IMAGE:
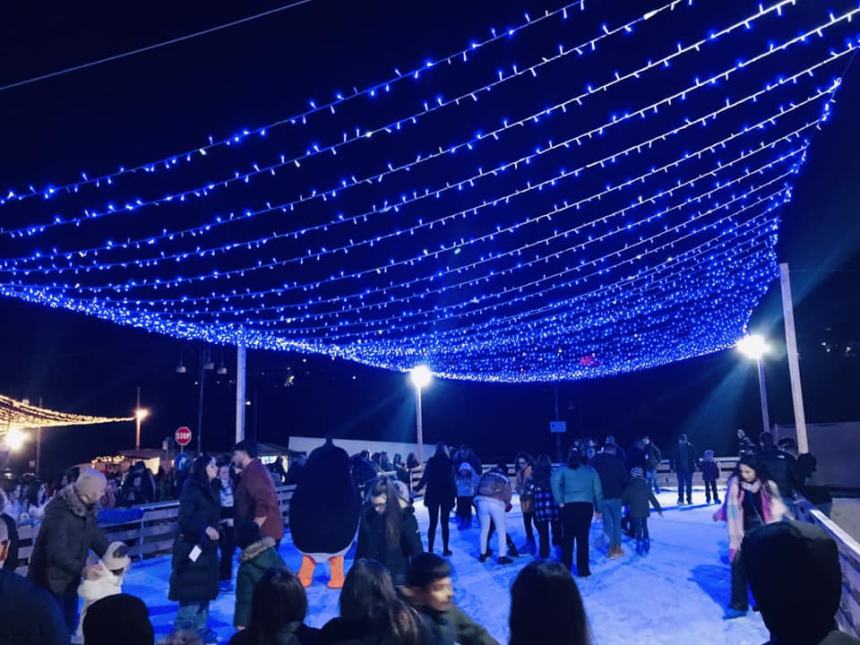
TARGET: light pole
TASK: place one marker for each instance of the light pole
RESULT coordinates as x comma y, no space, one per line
420,377
139,415
755,347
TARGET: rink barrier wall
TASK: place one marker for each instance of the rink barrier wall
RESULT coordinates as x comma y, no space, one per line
848,616
149,529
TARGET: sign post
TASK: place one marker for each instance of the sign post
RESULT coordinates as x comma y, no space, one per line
183,437
558,428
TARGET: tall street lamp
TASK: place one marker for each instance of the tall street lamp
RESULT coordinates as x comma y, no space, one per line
420,377
755,347
139,415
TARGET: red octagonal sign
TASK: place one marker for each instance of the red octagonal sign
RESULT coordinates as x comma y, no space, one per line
183,435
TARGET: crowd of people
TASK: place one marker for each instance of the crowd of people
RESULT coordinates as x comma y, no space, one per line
395,591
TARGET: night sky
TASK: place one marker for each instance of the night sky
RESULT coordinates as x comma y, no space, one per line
152,104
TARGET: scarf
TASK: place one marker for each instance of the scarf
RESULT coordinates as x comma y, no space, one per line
773,510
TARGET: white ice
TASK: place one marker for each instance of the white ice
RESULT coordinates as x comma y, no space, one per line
675,594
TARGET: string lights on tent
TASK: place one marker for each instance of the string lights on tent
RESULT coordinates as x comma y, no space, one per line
540,219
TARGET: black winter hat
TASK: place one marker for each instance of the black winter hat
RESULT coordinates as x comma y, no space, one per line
118,619
794,573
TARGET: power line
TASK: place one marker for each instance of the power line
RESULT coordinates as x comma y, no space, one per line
141,50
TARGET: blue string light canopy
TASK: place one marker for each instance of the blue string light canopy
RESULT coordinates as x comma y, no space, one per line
576,196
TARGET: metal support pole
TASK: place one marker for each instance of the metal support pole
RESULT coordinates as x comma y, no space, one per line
137,422
200,403
241,374
39,445
762,392
419,426
793,362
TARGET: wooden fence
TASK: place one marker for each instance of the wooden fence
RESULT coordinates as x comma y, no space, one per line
148,529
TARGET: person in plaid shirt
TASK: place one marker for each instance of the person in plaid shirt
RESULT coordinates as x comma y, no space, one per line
545,508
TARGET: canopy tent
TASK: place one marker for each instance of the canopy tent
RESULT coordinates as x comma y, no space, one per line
20,414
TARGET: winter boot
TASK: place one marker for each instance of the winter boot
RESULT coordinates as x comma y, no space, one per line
306,571
647,545
640,547
336,580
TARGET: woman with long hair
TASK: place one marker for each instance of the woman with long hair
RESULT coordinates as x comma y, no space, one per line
752,500
545,507
194,577
546,607
278,610
577,491
441,492
387,529
524,464
371,612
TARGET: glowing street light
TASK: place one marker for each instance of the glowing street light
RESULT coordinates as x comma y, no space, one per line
755,347
14,439
421,376
139,415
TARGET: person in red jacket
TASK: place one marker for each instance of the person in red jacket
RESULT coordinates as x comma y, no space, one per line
255,497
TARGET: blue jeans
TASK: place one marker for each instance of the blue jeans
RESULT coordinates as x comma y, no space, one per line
193,616
612,521
651,477
685,479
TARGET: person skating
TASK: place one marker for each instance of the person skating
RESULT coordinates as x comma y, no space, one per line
576,488
639,497
66,535
779,465
654,457
752,500
194,570
613,477
227,528
387,528
467,484
259,555
324,513
493,500
103,579
439,498
524,465
255,496
684,465
710,475
546,508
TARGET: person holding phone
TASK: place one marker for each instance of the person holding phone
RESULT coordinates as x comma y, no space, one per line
194,578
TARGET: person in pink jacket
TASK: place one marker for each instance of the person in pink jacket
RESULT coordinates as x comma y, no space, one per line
752,500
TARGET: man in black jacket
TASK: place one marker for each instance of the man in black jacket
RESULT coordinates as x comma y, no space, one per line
613,477
684,465
779,465
65,537
28,615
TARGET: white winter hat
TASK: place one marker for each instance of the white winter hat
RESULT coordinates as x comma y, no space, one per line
116,556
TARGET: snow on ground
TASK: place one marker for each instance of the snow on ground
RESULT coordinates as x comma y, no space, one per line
675,594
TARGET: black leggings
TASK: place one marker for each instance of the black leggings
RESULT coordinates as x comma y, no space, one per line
437,512
527,521
575,524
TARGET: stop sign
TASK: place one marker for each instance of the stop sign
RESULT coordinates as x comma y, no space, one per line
183,435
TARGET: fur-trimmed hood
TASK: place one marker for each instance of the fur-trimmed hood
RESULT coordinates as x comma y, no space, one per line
70,497
253,550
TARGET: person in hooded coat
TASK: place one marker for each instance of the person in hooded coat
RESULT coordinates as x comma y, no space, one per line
324,513
194,577
259,554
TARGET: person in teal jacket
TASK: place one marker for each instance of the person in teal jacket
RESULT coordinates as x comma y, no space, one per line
576,488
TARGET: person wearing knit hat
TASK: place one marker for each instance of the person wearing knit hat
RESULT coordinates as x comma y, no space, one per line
103,579
68,532
794,573
118,619
638,497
